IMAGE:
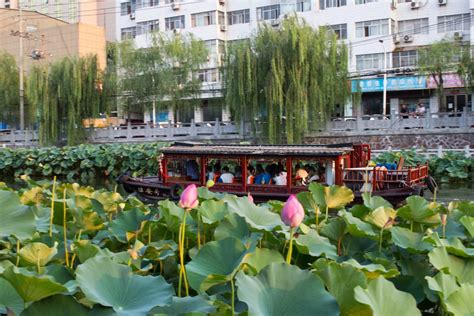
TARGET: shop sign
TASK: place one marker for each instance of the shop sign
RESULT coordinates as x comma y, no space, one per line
393,84
449,81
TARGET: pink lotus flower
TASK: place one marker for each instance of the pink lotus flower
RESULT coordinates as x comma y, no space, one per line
250,197
292,213
189,197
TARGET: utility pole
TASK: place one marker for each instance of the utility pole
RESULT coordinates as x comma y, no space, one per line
22,91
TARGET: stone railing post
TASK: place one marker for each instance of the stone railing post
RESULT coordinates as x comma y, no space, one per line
129,130
217,127
148,135
12,137
428,124
467,151
110,131
465,117
193,130
242,128
440,151
169,129
27,137
358,122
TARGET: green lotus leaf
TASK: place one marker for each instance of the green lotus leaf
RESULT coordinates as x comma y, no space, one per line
173,215
460,302
333,196
357,227
31,287
42,215
9,298
258,217
309,204
372,270
215,263
205,194
60,305
111,284
128,224
453,245
382,217
109,200
442,283
464,206
282,289
406,239
84,249
262,257
334,229
313,244
385,300
340,281
462,269
374,202
37,254
468,223
212,211
186,305
417,209
453,229
160,250
16,219
32,196
232,225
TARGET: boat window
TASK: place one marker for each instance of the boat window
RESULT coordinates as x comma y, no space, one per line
267,171
224,171
308,171
184,169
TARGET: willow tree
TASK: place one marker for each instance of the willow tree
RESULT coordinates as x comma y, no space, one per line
61,96
164,74
9,89
290,78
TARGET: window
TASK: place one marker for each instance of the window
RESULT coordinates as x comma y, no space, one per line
372,28
370,61
175,22
407,58
365,1
238,17
203,19
208,75
129,33
126,8
147,3
220,18
458,22
340,30
270,12
303,6
148,27
211,46
416,26
325,4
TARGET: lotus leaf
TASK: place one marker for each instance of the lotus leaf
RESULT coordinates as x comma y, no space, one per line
262,257
31,287
373,202
385,300
112,284
282,289
212,211
382,217
9,298
372,271
333,197
16,219
84,249
459,303
215,263
419,210
37,254
357,227
186,305
128,222
334,229
160,250
233,225
309,204
442,283
313,244
406,239
462,269
453,245
258,217
468,223
340,281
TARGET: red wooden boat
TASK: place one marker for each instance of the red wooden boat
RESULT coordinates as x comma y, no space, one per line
232,168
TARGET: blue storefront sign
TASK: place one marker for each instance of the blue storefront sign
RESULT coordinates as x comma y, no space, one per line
393,84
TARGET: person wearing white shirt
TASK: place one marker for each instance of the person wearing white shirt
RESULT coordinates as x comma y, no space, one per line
226,176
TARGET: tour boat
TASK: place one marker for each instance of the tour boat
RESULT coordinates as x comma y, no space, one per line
183,164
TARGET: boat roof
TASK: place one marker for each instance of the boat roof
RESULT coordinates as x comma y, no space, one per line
259,150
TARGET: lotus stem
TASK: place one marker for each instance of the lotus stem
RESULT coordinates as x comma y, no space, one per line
327,214
380,240
38,267
435,193
66,253
339,246
411,225
232,296
149,233
51,213
182,269
198,232
290,248
72,260
17,252
317,218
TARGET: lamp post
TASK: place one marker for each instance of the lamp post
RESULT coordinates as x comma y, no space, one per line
384,104
22,91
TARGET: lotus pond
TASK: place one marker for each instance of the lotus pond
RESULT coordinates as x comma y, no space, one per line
65,248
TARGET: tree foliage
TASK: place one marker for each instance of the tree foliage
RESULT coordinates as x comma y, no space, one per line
9,88
290,78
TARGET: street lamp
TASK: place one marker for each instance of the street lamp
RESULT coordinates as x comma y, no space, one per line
384,104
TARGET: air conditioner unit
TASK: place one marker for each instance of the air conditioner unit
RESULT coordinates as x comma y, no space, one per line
175,6
408,38
442,2
458,35
223,28
396,39
222,2
132,16
275,23
177,31
415,5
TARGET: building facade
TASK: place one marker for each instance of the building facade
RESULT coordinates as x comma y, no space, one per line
373,29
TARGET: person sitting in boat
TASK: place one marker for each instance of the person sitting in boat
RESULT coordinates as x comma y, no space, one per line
300,175
226,176
192,170
312,174
210,173
251,174
217,171
263,176
281,176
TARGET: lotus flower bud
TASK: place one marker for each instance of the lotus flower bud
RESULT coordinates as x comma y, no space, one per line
210,183
292,213
189,197
250,197
444,219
